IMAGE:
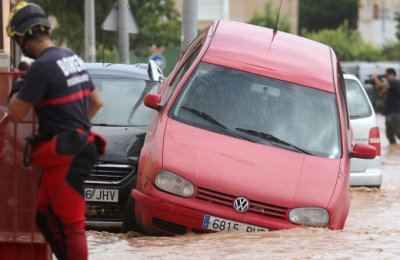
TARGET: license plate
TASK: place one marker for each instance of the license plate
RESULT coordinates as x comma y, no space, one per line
106,195
220,224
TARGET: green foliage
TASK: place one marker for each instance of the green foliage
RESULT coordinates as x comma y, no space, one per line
392,51
158,23
69,15
315,15
397,18
269,19
110,55
347,43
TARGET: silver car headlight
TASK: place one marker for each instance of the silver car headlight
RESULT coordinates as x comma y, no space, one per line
309,216
173,183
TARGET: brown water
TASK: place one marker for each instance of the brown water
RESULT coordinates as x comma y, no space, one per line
372,231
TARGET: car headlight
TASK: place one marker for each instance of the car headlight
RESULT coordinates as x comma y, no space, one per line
309,216
173,183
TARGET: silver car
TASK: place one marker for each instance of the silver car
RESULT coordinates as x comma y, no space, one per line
363,172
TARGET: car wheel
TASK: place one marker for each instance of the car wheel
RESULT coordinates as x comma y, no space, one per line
129,222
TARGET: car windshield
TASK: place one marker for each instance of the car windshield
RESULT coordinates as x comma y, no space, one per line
357,100
123,102
261,109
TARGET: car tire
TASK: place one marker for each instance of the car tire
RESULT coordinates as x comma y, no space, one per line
129,222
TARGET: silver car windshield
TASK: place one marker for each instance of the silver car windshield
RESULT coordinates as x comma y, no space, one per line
254,107
357,100
123,102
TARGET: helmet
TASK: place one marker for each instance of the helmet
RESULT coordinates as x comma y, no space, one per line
24,17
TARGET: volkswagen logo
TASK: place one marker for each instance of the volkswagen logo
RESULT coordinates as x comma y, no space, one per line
241,204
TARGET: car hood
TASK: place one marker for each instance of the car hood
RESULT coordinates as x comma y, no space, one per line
123,143
242,168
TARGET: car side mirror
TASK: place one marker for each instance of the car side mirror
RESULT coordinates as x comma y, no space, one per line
152,100
363,151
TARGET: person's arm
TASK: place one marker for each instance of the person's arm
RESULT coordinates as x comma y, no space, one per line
95,103
380,84
17,108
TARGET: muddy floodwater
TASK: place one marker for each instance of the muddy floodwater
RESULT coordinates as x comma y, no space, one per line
372,231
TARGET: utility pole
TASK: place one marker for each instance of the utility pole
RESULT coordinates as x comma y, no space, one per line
189,23
123,33
90,40
226,10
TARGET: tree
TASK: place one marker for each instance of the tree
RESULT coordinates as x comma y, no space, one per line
269,19
397,18
158,23
347,43
315,15
392,50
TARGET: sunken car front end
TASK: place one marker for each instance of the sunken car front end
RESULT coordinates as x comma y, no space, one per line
122,122
224,188
108,186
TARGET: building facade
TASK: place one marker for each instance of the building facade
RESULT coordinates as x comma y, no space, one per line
241,10
376,21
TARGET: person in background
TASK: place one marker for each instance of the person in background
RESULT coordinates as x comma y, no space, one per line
23,66
392,103
57,85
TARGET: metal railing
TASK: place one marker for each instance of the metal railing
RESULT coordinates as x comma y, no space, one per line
19,236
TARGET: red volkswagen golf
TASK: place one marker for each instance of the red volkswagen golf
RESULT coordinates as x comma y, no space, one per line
250,132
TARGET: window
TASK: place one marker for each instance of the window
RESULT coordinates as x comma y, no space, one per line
357,100
123,102
343,99
240,101
195,44
181,73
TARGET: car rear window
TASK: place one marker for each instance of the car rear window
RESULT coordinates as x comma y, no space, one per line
302,116
123,102
359,105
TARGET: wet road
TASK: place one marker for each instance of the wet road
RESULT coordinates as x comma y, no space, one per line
372,231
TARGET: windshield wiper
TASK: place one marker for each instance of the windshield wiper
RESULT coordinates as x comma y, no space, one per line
215,122
271,138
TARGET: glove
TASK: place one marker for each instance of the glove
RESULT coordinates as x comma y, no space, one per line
18,84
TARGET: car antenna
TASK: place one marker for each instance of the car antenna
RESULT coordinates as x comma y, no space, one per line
276,25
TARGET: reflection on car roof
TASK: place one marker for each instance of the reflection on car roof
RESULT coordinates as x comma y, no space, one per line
111,70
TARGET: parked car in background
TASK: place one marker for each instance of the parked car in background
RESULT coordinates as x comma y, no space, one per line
363,70
363,172
251,132
122,121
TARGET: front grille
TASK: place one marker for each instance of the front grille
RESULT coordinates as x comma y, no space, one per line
110,173
227,200
169,226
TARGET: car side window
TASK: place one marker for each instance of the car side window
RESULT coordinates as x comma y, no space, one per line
196,43
342,89
182,72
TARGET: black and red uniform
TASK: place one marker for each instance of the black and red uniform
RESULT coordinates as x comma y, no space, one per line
58,85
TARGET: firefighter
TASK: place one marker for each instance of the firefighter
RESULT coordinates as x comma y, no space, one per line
58,87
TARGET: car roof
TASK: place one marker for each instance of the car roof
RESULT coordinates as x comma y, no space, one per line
112,70
289,57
